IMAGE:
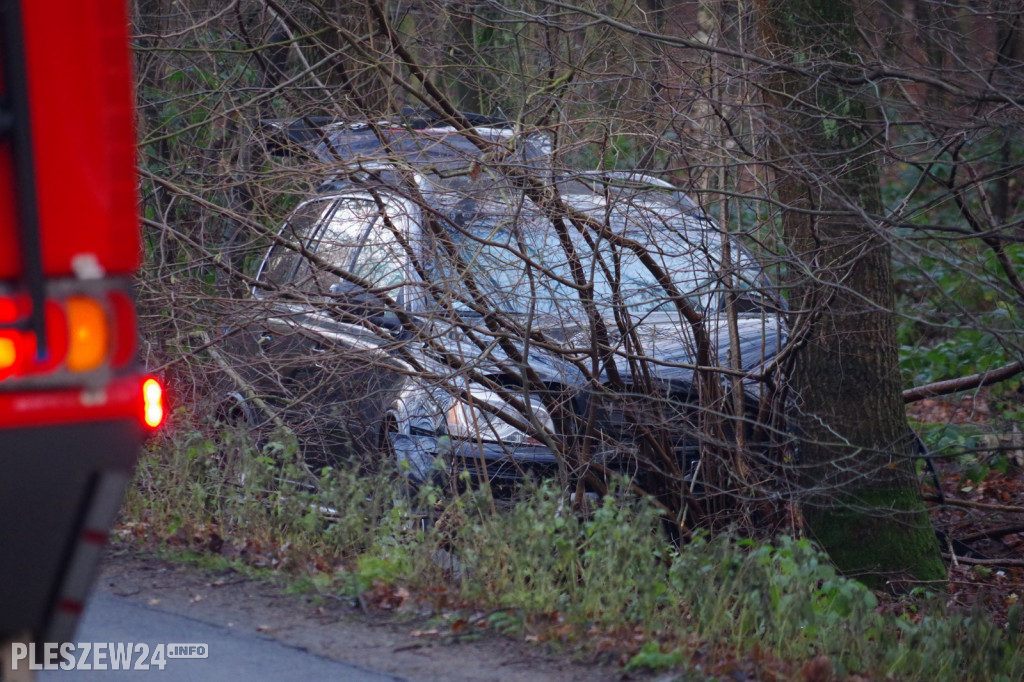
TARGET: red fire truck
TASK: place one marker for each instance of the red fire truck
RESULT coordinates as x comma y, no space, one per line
74,406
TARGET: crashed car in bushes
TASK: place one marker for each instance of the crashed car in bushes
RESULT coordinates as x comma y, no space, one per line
448,297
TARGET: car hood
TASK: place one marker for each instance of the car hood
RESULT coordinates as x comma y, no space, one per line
663,344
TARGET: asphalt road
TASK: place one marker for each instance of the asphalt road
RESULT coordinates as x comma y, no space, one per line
232,655
256,630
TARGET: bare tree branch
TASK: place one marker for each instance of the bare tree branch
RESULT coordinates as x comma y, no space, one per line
968,383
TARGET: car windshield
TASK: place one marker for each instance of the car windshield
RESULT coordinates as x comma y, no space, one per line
519,263
501,253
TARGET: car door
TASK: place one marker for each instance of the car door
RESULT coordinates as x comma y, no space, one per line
319,368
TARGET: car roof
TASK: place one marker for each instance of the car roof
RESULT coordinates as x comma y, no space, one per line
361,142
360,155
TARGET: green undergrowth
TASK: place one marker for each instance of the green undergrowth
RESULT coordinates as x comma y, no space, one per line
604,580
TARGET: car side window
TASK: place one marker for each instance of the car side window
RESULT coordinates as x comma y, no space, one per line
284,259
380,259
332,230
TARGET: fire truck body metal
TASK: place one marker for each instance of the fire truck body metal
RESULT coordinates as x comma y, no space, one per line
72,413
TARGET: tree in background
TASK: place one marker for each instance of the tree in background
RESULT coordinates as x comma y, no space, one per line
856,455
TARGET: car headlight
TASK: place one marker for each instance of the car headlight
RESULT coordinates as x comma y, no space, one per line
468,420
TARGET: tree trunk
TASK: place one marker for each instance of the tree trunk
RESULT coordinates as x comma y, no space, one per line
861,498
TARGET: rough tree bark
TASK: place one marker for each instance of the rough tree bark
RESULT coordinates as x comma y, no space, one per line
862,500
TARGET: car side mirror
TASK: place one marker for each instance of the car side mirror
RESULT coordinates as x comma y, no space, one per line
356,300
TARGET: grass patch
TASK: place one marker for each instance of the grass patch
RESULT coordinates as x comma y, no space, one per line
606,583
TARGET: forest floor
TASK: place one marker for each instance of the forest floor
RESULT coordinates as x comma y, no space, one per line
980,504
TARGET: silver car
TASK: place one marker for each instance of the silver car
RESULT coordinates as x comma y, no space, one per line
461,309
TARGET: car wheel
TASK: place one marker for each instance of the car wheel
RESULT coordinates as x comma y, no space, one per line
237,420
234,411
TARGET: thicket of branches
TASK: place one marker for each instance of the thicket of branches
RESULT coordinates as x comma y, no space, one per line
708,96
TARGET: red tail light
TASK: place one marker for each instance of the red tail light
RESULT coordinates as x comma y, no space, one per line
152,403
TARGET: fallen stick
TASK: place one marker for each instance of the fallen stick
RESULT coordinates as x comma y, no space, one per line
989,506
1009,563
991,533
244,386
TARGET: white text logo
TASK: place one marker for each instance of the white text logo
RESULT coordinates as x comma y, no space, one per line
188,651
101,655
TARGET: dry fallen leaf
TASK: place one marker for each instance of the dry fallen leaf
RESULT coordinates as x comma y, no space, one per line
818,669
